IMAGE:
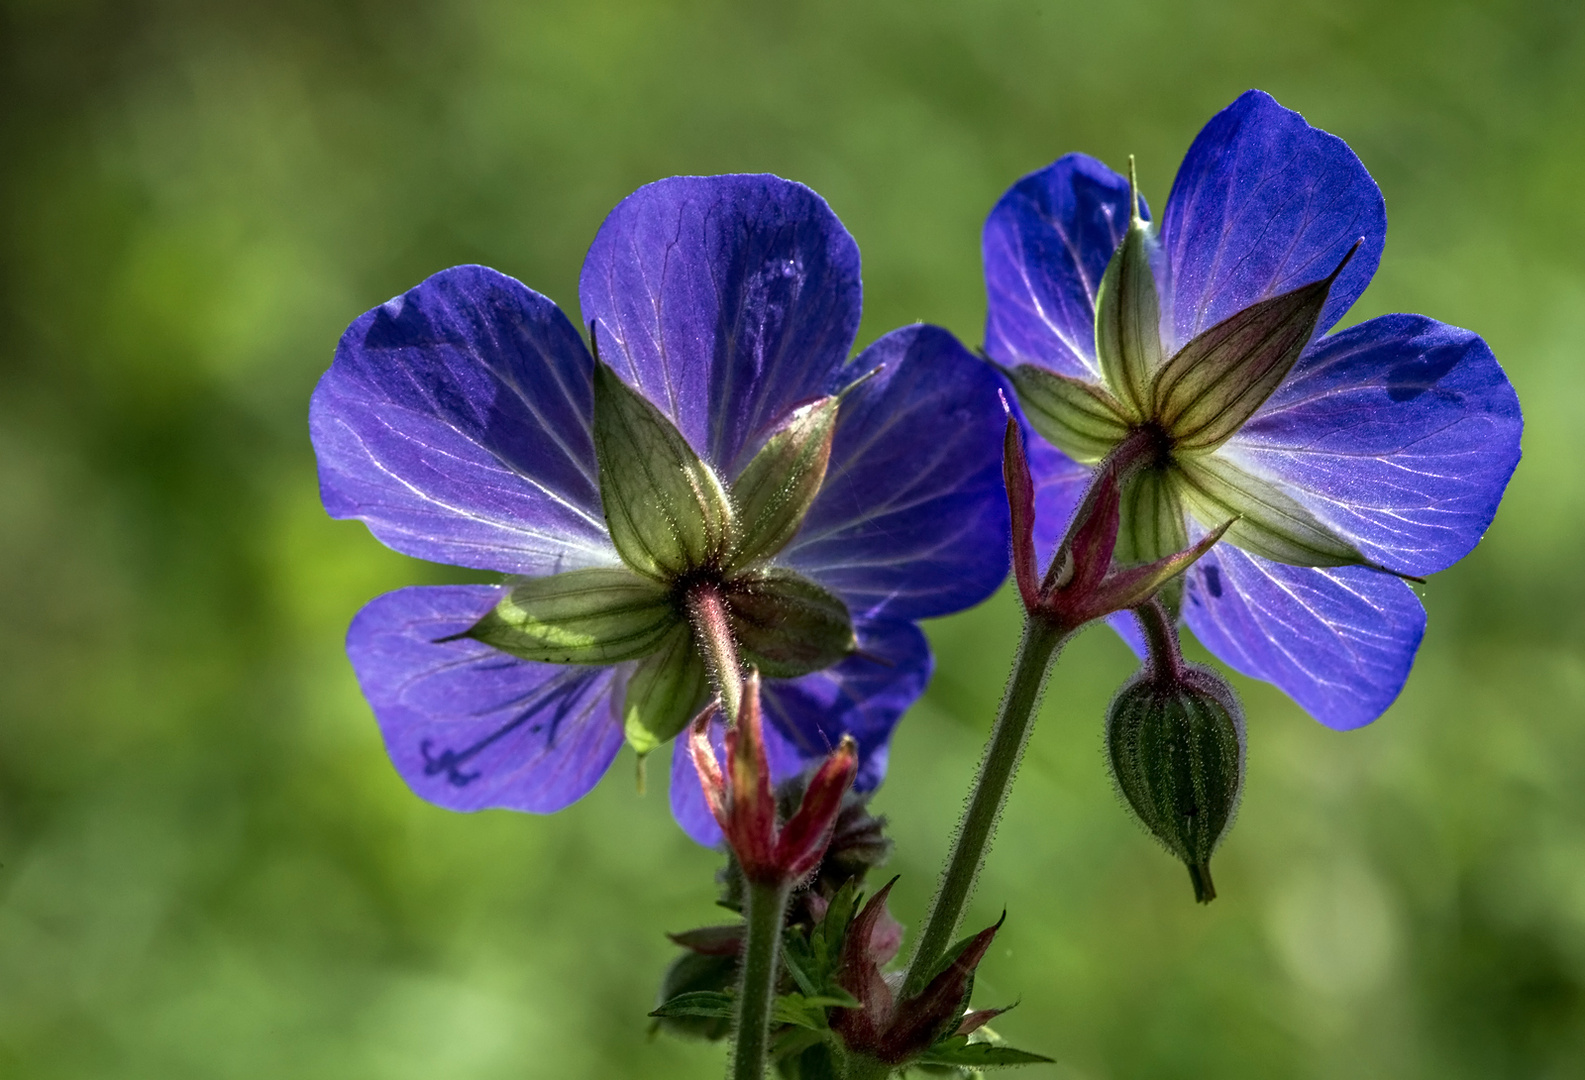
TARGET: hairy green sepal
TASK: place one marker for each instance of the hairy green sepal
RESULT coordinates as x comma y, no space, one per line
1128,315
786,625
776,488
1078,418
1269,522
1212,385
664,692
666,509
1152,527
599,616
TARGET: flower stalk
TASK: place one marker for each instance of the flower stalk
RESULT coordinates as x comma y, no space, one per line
764,910
1037,651
773,855
1079,586
712,630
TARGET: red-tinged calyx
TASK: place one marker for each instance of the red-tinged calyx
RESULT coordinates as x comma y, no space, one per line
894,1031
743,801
1021,505
1082,583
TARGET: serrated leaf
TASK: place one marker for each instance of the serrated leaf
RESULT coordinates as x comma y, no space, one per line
1270,523
774,491
666,509
1206,392
786,625
1128,317
1081,419
664,692
596,616
701,1003
958,1050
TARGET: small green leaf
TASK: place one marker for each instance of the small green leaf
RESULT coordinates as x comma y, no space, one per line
786,625
703,1003
792,1042
1152,526
1206,392
1269,522
774,491
666,509
1081,419
958,1050
795,967
597,616
825,942
665,691
1128,315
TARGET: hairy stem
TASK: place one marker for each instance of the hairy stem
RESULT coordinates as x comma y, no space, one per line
756,996
1161,640
713,632
1036,651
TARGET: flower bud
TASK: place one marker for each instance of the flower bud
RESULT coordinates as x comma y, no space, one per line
1175,744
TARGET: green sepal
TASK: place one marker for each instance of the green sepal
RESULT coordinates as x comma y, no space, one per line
774,491
1081,419
1152,526
1206,392
958,1050
598,616
666,509
664,692
1128,314
1269,522
786,625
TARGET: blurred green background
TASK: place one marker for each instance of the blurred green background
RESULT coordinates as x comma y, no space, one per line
208,868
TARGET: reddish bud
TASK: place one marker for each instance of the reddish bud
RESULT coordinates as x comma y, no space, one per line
894,1031
1082,584
1021,504
744,805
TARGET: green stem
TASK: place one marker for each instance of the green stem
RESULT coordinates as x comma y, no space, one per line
756,994
1036,651
1161,639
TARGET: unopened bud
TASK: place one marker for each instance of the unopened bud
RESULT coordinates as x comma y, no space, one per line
1175,745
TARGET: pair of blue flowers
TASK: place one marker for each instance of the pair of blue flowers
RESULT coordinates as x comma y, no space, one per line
458,422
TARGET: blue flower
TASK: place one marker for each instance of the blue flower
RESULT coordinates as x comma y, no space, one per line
1346,461
458,421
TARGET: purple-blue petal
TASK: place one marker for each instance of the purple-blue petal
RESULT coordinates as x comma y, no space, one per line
1338,641
863,696
726,300
469,727
1400,432
912,519
455,422
1264,203
1046,245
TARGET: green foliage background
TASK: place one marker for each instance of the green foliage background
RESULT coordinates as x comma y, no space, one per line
209,868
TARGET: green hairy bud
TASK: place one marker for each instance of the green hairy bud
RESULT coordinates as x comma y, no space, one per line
1175,745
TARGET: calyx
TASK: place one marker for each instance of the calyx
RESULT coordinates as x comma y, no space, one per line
1192,403
682,535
